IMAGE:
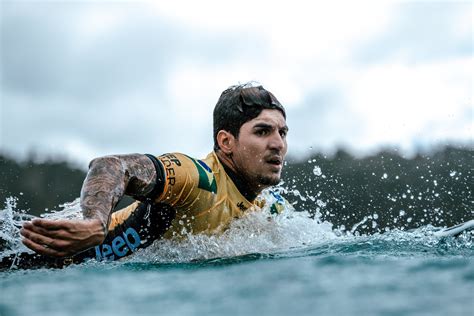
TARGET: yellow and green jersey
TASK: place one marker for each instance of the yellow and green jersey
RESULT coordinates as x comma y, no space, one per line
201,193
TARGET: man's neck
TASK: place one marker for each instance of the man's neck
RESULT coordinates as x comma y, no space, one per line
240,182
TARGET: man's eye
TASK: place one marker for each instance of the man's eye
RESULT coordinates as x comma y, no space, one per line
283,133
262,132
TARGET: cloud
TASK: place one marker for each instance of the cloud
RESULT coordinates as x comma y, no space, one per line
106,87
53,49
421,32
323,121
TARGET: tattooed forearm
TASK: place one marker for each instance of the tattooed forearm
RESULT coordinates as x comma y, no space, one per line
109,178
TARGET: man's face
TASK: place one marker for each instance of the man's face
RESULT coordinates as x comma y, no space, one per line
259,150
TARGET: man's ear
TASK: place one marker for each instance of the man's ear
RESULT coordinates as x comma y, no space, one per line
226,141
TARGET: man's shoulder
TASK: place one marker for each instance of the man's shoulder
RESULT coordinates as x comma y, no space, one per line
183,171
178,159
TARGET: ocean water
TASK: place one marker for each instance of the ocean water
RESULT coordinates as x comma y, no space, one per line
290,264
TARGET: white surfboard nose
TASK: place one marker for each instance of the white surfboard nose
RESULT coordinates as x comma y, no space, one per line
455,230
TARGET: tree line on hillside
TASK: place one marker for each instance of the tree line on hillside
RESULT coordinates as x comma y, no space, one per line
385,190
365,195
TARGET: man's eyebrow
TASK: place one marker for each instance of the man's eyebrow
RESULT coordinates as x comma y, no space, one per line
269,126
263,125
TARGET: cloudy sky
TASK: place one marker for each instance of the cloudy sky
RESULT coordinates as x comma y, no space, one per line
89,78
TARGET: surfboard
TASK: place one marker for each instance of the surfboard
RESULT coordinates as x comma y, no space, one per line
455,230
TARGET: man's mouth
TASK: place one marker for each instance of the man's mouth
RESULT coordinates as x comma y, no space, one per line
277,161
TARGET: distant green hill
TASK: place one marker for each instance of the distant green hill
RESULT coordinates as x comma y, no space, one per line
387,189
39,186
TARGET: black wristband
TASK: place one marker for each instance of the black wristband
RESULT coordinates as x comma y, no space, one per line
160,179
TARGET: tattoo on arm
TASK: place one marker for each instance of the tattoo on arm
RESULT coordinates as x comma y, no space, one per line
109,178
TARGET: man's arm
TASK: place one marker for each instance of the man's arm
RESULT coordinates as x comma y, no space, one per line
108,179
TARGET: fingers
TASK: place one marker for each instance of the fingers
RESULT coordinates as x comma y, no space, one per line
46,237
43,245
61,237
37,238
52,233
49,224
43,249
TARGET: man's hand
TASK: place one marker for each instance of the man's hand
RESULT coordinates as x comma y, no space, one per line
62,238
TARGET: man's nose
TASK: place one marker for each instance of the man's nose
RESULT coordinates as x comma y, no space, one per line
277,142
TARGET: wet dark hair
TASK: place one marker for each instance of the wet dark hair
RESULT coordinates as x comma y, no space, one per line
239,104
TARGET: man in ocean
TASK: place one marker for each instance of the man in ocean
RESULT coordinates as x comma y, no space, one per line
176,194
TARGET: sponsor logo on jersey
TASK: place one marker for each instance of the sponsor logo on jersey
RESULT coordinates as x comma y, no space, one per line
169,161
241,206
120,246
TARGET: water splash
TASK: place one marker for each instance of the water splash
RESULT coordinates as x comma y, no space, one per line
12,218
301,233
291,233
70,210
258,232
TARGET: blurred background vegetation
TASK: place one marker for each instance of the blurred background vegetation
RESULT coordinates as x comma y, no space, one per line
386,190
365,195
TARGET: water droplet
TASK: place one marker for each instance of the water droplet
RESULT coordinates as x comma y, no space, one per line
320,203
317,171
